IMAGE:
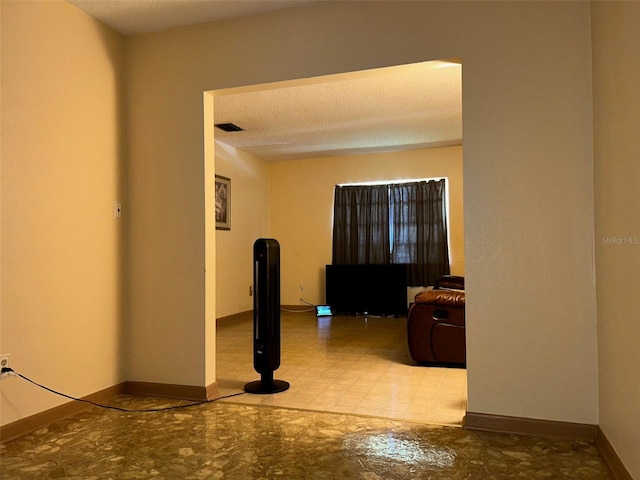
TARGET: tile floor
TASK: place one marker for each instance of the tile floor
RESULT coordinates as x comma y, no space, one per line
351,364
344,364
249,442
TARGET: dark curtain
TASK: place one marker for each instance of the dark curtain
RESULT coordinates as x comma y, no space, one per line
361,224
419,232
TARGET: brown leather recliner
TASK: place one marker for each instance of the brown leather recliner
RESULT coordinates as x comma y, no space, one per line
436,325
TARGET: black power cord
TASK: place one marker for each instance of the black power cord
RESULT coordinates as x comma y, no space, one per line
12,372
300,311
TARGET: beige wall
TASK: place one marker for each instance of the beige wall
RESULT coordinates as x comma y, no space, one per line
249,221
62,254
617,173
302,208
292,201
528,190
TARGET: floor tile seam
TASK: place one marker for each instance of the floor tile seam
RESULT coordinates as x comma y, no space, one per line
360,415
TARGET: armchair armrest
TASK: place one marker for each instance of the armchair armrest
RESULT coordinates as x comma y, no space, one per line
450,281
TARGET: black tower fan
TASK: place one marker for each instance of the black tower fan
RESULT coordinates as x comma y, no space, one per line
266,316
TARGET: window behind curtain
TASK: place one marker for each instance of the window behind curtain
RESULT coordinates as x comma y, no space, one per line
361,225
393,223
420,230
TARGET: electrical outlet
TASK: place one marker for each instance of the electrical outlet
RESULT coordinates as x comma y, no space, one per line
4,362
250,290
301,288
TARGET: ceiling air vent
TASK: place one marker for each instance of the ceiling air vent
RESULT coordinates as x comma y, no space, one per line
229,127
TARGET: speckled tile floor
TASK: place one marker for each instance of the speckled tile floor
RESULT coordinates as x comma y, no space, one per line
345,364
251,442
358,408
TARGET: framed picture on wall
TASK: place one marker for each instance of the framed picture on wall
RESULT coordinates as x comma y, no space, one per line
223,203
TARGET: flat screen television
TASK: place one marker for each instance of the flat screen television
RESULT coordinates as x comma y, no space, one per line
367,289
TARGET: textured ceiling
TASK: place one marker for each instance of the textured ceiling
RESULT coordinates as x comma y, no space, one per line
395,108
